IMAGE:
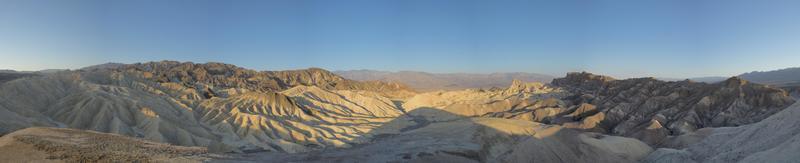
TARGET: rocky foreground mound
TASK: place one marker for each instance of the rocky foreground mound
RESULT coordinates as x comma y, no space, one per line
70,145
774,139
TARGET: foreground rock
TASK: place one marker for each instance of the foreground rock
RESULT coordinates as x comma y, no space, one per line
774,139
69,145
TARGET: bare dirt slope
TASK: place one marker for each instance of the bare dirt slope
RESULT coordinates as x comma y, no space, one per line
70,145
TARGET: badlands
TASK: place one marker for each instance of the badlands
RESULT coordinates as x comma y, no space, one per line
213,112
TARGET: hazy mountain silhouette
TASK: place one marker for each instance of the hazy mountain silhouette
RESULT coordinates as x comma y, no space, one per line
782,77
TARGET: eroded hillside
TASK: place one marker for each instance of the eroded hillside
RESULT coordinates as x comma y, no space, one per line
215,105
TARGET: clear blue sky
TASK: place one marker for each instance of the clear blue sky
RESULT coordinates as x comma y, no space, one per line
623,38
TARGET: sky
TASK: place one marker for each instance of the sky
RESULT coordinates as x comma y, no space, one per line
621,38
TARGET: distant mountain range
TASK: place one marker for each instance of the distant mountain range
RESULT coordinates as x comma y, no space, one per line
424,81
783,77
788,77
709,79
